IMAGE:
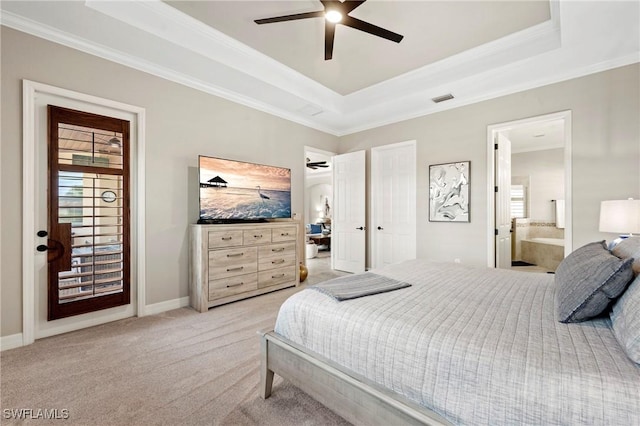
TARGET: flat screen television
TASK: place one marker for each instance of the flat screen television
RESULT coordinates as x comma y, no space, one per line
236,191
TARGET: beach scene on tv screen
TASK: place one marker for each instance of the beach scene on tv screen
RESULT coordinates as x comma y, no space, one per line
238,190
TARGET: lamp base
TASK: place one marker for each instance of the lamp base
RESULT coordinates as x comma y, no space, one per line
617,241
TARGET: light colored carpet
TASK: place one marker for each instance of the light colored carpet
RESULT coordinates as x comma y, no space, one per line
179,367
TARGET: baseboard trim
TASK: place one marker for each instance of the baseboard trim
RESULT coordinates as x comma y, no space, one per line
16,340
10,342
168,305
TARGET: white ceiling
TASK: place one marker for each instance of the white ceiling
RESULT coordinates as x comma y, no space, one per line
536,136
480,50
361,60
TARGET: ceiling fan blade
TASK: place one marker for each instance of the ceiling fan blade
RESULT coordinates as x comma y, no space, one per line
349,5
352,22
343,7
290,17
329,35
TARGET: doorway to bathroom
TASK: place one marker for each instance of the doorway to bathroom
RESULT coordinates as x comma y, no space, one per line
530,218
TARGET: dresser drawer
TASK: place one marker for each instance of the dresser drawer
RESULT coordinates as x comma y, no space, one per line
256,236
234,262
230,262
232,285
275,250
222,239
276,276
281,261
286,233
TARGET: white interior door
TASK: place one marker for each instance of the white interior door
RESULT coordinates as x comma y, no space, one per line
393,196
348,222
503,201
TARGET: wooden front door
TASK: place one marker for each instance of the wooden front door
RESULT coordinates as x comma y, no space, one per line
88,213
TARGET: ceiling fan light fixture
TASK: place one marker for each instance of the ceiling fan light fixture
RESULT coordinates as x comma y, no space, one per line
333,16
336,12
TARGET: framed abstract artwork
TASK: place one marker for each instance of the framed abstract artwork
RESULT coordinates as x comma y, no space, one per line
449,192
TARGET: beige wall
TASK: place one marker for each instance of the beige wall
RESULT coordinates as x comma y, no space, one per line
545,170
605,154
181,123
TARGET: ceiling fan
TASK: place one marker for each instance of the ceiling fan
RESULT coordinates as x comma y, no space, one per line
316,164
336,12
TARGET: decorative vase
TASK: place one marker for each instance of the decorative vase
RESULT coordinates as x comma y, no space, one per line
304,272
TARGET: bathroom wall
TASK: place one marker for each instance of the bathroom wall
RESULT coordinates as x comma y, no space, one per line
544,170
546,180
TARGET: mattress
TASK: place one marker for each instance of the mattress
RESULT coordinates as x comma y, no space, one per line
475,345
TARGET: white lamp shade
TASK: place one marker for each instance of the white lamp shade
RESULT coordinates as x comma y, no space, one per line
620,216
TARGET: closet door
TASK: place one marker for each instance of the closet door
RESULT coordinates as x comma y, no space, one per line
393,200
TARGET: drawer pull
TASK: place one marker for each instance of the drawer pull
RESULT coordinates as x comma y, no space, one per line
277,262
227,238
235,255
240,268
235,285
284,234
277,276
277,249
257,236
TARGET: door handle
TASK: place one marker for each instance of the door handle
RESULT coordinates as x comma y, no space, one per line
59,248
380,228
54,248
42,233
360,228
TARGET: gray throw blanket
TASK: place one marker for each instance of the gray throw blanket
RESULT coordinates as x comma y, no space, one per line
359,285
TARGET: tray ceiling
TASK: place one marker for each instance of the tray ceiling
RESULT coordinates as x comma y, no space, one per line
474,50
432,30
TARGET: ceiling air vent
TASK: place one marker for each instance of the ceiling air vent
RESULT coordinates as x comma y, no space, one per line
442,98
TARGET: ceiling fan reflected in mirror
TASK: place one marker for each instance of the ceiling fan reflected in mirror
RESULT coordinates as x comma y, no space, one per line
314,165
336,12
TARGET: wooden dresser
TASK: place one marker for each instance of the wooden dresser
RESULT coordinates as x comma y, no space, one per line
233,262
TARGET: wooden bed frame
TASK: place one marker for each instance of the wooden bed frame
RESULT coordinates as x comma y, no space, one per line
353,397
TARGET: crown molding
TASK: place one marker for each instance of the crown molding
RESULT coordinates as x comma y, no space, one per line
37,29
504,91
553,51
168,23
523,44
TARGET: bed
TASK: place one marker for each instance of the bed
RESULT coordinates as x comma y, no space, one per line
461,345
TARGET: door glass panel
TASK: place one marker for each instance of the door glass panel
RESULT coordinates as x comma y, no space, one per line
85,146
91,199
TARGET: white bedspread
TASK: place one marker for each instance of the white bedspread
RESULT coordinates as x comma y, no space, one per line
478,346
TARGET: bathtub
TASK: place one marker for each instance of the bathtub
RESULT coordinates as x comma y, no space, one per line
544,252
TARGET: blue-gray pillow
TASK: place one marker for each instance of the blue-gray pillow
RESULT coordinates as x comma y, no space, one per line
625,320
629,247
587,280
